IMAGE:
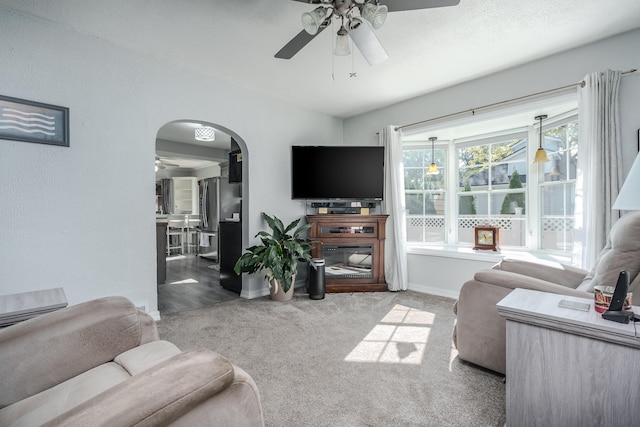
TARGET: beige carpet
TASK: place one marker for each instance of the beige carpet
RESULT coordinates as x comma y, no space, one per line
361,359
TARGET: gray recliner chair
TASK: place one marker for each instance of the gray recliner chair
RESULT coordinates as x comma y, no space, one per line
480,332
101,363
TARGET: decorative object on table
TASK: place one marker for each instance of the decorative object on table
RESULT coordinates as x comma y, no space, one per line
31,121
486,237
602,298
278,256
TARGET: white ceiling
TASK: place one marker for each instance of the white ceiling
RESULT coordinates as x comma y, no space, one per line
428,49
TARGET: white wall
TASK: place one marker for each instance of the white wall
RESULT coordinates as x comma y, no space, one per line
68,219
617,53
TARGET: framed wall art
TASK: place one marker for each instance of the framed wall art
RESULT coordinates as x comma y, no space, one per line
30,121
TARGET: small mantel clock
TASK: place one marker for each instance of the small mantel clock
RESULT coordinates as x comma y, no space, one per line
486,237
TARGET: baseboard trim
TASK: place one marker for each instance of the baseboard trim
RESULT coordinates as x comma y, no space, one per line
434,291
155,315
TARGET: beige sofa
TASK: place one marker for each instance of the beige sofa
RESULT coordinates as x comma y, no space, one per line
100,363
480,332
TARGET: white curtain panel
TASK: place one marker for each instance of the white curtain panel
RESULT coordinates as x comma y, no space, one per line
395,250
599,176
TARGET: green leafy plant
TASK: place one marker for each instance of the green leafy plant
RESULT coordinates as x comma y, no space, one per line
279,253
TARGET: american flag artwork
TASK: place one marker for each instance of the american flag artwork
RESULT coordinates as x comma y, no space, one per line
33,122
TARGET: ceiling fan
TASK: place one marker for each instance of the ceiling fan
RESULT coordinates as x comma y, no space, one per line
161,164
358,19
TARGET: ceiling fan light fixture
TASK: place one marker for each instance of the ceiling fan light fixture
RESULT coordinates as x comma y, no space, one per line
311,21
375,14
342,43
205,133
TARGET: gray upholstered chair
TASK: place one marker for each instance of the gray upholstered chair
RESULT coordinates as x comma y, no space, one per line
101,363
480,332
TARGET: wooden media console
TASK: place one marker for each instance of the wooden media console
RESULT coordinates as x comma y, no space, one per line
353,249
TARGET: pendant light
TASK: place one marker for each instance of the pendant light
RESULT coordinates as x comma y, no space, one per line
541,155
433,168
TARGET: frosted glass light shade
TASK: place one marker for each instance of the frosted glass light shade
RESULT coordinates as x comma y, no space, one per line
342,44
376,15
205,133
311,21
541,156
433,169
629,197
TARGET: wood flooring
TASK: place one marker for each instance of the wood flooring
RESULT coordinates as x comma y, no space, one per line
192,282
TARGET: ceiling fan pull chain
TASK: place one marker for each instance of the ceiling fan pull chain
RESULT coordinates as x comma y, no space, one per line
353,63
333,59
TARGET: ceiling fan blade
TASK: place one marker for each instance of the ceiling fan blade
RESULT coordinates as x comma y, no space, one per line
400,5
297,43
367,42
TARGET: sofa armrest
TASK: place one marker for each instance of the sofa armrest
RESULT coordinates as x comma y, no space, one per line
549,271
42,352
509,280
157,396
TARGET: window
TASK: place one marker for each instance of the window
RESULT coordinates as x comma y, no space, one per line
558,189
486,177
492,179
425,194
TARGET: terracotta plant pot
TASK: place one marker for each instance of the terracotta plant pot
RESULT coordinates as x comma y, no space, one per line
277,293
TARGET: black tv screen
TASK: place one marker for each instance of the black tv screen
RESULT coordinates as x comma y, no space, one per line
337,172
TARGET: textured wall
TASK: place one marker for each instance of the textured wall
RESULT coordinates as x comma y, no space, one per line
84,217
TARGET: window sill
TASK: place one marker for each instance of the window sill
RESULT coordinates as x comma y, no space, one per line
462,252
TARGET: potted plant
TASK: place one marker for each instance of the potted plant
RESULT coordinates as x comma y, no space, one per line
277,256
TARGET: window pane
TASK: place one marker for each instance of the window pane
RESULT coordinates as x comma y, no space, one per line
414,158
425,229
414,203
413,178
436,181
556,222
505,150
425,216
512,203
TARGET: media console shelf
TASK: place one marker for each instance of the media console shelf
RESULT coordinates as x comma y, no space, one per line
353,249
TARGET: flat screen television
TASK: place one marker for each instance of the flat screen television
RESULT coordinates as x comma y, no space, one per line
337,172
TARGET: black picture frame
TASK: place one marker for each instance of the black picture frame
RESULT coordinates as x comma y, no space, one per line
30,121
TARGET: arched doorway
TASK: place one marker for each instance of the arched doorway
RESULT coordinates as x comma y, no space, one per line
199,188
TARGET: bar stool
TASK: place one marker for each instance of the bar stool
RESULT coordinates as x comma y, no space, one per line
191,233
175,234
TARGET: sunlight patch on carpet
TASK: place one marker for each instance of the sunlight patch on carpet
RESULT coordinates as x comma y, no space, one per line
400,337
184,282
452,357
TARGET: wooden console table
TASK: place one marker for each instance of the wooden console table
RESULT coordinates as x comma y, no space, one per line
567,367
15,308
347,243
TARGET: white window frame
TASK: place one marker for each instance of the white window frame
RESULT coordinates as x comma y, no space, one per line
533,235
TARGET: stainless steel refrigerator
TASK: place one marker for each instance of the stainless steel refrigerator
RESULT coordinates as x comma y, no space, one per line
219,200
